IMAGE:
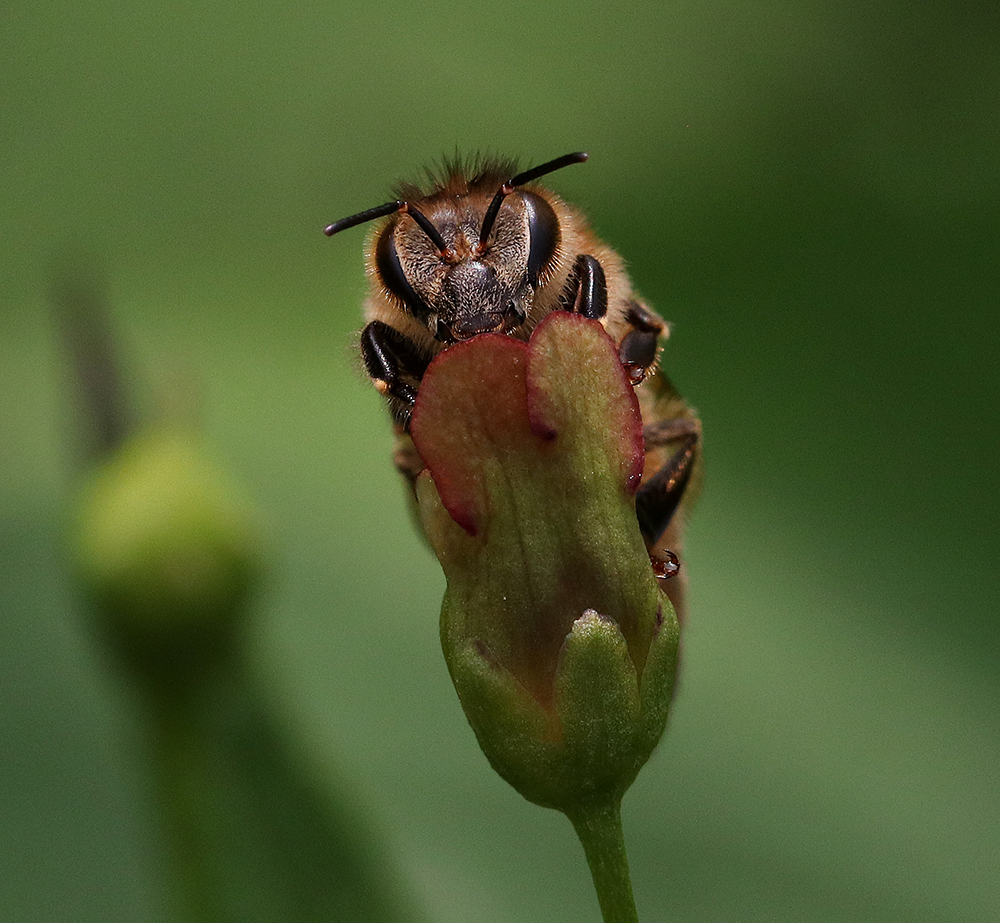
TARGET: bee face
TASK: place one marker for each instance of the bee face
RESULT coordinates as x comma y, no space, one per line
458,283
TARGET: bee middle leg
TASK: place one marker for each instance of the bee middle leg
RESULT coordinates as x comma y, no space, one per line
586,293
640,346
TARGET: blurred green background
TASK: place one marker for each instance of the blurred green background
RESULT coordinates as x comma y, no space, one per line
809,191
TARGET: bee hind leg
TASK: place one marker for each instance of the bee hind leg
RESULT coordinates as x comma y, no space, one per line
658,496
389,356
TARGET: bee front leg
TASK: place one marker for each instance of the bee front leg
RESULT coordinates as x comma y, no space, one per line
658,496
586,290
389,357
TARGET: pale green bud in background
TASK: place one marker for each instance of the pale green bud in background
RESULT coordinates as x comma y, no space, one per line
167,548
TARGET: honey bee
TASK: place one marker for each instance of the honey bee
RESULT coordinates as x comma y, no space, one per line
487,250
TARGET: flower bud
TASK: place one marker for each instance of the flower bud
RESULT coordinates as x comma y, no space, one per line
167,549
560,643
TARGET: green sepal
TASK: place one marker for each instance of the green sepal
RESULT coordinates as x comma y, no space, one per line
514,731
659,678
602,729
597,700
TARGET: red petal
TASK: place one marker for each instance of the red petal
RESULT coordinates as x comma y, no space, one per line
470,407
576,385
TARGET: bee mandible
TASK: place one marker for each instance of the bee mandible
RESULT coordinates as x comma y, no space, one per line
487,250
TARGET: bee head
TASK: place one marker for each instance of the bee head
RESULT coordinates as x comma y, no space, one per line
462,266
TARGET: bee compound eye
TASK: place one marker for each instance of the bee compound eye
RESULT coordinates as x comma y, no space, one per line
543,234
393,276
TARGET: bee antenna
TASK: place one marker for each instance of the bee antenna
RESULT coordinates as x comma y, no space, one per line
526,177
427,226
380,211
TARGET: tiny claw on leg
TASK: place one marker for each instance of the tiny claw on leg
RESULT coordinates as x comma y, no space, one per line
665,568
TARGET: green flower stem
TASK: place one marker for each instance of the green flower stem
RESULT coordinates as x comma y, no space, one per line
599,828
176,752
251,836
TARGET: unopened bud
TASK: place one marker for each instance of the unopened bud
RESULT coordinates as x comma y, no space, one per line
561,645
167,548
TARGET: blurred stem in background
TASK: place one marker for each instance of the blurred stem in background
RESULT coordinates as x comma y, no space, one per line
169,554
254,839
